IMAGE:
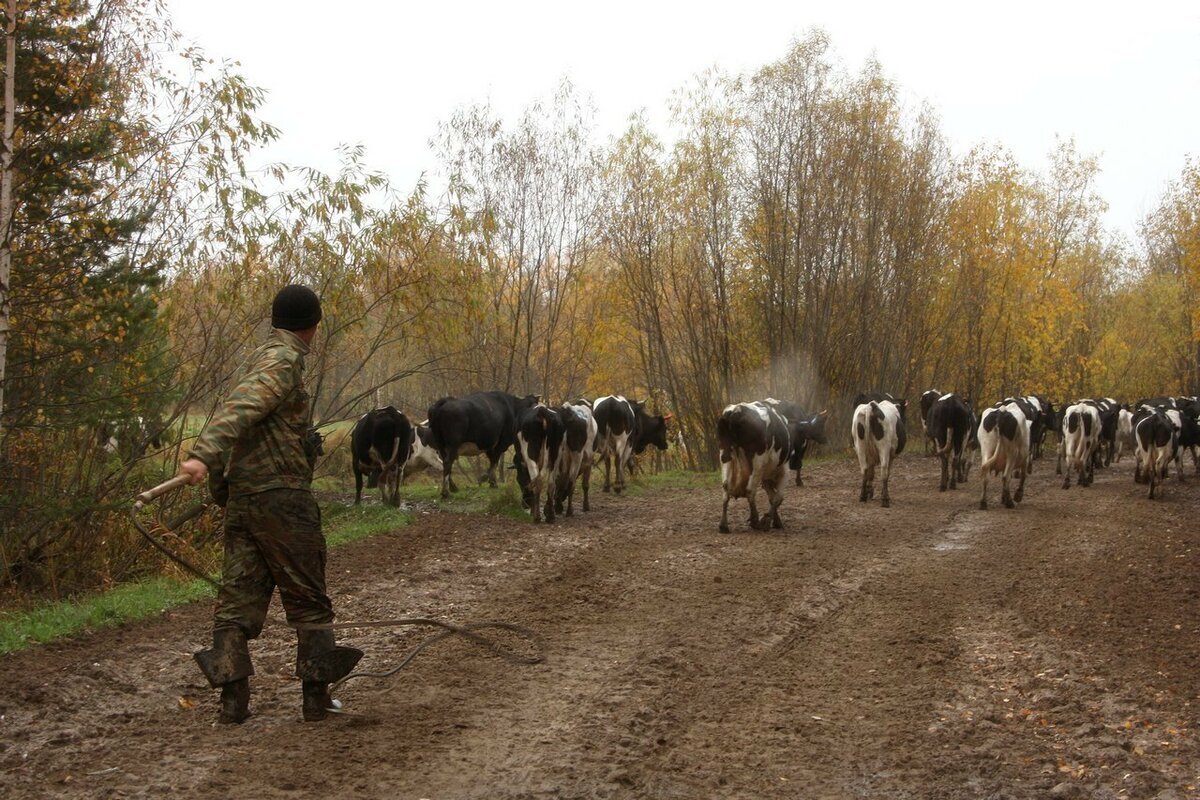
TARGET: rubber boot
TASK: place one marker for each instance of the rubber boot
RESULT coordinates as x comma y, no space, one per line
227,667
235,702
319,662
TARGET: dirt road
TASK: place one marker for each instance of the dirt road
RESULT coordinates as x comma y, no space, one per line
929,650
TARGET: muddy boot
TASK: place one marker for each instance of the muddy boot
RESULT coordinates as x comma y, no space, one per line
235,702
318,663
227,667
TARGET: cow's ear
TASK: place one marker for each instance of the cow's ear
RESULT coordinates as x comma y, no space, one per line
824,413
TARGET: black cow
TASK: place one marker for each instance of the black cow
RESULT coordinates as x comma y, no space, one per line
539,439
755,445
802,428
485,421
949,425
379,448
928,398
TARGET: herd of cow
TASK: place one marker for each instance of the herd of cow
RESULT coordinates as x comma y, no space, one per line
758,442
761,441
555,446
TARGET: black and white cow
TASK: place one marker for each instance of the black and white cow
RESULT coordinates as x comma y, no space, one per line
539,441
1157,441
928,398
422,454
1080,438
482,422
948,425
1004,450
802,429
754,444
1106,442
379,447
574,456
877,427
623,430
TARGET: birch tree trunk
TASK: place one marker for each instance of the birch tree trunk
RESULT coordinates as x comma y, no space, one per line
6,206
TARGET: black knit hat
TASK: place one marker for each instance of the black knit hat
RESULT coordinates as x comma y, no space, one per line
296,308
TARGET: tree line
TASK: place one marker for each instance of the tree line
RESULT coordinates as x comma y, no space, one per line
806,232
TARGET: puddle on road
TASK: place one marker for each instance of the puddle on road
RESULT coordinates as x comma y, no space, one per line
959,533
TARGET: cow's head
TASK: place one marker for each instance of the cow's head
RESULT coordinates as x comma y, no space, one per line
651,430
814,427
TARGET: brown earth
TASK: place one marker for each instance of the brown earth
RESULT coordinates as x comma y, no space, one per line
929,650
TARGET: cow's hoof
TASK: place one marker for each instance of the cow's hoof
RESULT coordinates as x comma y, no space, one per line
723,528
777,523
886,502
983,505
1019,496
1066,484
942,488
862,498
1008,503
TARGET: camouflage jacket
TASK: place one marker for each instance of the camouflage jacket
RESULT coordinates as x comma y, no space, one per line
256,438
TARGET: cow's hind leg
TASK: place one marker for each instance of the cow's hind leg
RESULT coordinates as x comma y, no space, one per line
724,526
607,477
1005,493
885,473
776,497
868,475
448,459
983,504
1020,495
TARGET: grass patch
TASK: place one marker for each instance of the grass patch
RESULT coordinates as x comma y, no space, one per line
124,603
133,601
644,483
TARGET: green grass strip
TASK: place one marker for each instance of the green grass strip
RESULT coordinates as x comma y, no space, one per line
123,603
148,598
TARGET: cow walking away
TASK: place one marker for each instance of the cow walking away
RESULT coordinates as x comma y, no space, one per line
928,398
379,447
1080,438
949,427
483,422
1004,450
877,427
574,456
754,445
539,440
802,429
623,430
1157,441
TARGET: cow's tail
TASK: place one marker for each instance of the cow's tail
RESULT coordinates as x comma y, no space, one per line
859,424
735,466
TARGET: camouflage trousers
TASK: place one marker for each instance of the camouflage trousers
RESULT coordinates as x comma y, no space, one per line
272,539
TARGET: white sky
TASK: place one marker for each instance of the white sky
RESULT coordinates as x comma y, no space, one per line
1122,79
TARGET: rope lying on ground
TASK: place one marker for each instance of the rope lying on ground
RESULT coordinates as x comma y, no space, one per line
467,631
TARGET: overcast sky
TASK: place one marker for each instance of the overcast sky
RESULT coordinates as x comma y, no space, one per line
1122,79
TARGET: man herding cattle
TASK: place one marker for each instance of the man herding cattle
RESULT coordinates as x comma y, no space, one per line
260,457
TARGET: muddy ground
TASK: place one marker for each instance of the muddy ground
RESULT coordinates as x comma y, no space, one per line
929,650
